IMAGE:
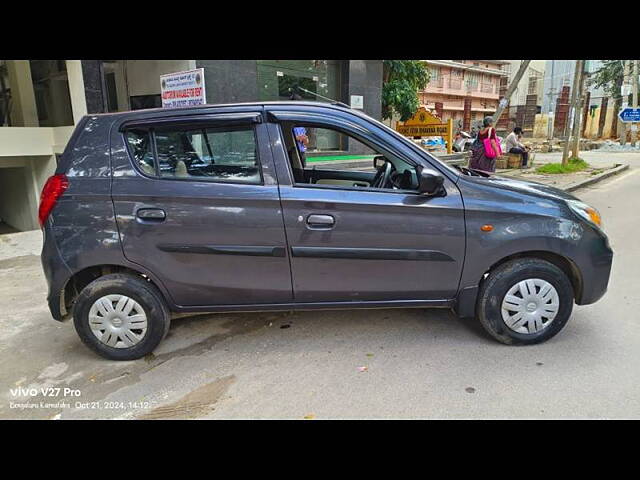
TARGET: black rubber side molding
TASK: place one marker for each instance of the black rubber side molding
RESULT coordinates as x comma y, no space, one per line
254,251
371,253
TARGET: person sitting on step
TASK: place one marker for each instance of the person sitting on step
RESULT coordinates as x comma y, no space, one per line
514,146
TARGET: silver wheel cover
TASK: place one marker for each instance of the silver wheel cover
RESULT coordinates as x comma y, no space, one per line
118,321
530,306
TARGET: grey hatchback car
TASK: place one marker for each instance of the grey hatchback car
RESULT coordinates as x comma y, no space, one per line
221,208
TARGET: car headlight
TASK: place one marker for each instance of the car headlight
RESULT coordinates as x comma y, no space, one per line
586,212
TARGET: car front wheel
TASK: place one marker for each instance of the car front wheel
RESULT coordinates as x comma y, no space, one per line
525,301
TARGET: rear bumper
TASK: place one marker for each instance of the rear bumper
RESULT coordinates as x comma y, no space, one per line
56,272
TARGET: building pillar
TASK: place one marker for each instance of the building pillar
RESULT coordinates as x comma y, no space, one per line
466,115
76,89
23,112
364,77
229,81
439,107
93,80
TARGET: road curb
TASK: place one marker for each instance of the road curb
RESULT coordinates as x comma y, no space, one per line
596,178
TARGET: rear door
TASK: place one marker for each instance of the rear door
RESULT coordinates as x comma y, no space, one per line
197,204
356,243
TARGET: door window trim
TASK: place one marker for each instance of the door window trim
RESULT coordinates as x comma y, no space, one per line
196,124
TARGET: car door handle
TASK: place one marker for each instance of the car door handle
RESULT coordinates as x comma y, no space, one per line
152,214
321,221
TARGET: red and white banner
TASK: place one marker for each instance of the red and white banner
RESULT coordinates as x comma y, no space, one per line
183,89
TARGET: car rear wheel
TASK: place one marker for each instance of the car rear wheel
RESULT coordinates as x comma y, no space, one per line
121,317
525,301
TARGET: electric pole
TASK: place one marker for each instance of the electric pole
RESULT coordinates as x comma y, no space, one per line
625,101
634,84
577,121
577,74
551,90
507,96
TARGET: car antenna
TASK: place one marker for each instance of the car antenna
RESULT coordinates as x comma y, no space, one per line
333,102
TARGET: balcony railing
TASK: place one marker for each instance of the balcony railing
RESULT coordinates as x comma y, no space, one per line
487,88
436,82
455,83
446,83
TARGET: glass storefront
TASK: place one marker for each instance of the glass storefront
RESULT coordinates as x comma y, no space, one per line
279,79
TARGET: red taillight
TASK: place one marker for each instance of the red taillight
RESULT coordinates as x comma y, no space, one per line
55,186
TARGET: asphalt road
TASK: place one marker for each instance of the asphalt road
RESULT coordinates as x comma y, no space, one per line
419,363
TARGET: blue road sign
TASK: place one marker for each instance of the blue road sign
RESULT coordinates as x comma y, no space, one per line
630,115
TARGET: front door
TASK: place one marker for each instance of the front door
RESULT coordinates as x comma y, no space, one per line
350,241
200,209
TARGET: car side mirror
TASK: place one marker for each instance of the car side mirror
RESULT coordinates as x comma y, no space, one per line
429,181
378,161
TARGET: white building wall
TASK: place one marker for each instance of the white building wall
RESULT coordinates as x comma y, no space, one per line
520,94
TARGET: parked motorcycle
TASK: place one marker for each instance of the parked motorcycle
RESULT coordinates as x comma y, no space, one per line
462,142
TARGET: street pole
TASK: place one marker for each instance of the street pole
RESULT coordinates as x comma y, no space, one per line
634,127
507,96
625,100
577,121
574,96
551,90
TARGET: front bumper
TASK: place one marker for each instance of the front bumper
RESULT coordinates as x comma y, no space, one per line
596,271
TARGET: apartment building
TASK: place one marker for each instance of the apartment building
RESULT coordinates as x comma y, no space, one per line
464,90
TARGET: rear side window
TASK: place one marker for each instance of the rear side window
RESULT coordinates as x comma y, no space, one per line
204,154
140,145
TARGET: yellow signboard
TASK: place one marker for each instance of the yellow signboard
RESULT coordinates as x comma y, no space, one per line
425,124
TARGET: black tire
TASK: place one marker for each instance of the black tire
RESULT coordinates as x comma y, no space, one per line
498,283
140,290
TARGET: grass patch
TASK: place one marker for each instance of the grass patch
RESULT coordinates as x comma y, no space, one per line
574,165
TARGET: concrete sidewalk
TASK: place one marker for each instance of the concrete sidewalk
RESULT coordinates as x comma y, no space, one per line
599,162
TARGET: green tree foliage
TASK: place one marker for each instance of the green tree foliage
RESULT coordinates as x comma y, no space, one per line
402,79
609,77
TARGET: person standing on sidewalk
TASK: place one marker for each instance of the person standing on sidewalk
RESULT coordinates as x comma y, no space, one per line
513,145
300,134
479,160
302,141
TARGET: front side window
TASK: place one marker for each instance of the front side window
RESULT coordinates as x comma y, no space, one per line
204,154
319,156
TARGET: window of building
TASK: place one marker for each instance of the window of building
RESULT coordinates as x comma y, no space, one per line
51,91
205,154
140,102
472,80
301,86
276,78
